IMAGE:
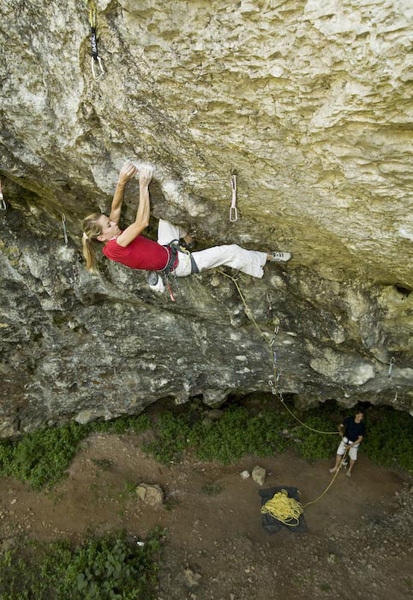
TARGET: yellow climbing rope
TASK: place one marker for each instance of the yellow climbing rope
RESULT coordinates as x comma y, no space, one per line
92,8
248,311
283,508
249,314
331,482
304,424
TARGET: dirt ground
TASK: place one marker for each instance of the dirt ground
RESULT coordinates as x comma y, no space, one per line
358,543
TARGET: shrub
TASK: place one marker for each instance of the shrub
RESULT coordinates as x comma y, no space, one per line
106,568
41,458
389,438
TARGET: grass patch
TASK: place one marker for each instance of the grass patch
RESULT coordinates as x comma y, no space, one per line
103,463
388,441
106,568
42,458
212,489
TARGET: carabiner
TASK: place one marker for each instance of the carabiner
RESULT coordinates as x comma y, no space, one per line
100,74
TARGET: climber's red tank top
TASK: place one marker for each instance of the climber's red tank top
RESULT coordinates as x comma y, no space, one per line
141,253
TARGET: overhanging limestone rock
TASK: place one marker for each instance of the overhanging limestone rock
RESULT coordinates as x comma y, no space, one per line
310,103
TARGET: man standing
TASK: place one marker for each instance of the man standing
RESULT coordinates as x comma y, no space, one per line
352,430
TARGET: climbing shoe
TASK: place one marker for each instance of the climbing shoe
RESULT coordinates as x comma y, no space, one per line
155,282
152,278
279,256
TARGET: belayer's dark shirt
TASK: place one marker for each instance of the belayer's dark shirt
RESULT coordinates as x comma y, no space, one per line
353,430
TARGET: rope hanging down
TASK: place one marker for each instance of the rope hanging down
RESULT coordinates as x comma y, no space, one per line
97,67
276,375
342,463
283,508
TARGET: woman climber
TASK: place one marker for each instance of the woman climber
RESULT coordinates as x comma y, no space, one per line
134,250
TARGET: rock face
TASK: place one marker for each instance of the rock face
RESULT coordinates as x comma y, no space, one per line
308,102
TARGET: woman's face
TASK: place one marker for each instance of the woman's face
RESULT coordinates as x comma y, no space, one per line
109,229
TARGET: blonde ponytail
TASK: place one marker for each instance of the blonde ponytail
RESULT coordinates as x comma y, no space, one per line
91,230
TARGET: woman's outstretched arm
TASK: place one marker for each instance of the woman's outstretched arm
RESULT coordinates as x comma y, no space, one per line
143,213
128,171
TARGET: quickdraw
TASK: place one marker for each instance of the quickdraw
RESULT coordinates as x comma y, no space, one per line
64,228
391,364
233,213
3,205
97,67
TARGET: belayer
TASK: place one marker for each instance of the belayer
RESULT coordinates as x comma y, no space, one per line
165,256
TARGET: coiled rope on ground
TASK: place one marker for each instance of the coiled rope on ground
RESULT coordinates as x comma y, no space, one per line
284,509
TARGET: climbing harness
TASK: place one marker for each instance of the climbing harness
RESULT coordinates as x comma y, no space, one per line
64,228
168,271
97,67
3,205
233,213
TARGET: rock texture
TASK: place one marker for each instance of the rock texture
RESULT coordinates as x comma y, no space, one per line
310,103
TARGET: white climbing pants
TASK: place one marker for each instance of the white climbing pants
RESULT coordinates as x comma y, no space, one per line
232,255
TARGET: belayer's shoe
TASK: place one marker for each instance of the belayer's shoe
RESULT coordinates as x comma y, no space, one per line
279,256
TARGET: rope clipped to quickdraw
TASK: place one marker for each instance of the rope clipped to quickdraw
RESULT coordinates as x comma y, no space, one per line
391,364
283,508
248,311
97,67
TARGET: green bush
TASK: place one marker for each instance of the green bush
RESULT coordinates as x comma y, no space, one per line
127,424
41,458
319,444
172,438
237,433
389,438
107,568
